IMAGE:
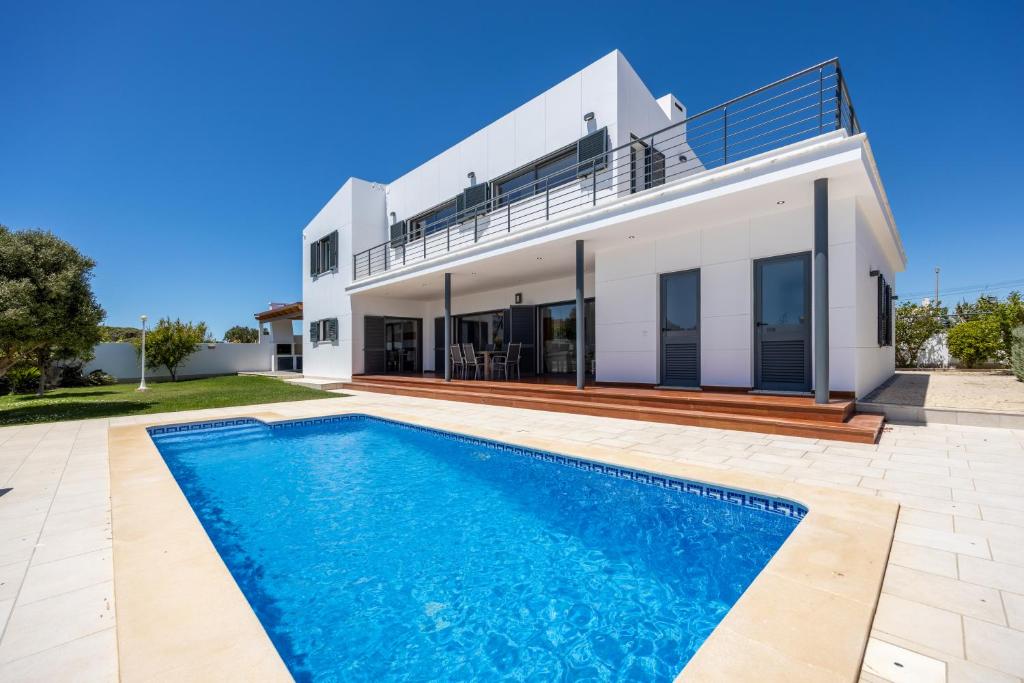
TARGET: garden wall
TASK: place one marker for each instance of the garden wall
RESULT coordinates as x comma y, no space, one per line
120,360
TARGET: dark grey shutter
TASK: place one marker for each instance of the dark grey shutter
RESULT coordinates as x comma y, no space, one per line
314,331
474,199
312,259
374,345
888,315
880,310
398,234
783,364
682,364
333,249
522,329
332,330
591,152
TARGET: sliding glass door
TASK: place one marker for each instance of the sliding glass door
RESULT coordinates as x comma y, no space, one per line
401,345
558,337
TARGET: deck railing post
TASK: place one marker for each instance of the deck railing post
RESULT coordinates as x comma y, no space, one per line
821,101
369,263
509,217
475,236
547,203
725,136
593,186
448,237
423,236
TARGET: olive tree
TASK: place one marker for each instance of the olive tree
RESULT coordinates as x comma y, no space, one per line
48,311
170,343
242,335
915,325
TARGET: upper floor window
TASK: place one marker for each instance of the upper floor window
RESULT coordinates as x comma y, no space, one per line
435,220
323,255
548,173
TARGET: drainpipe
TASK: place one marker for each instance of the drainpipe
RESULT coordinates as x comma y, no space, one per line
447,327
821,382
581,327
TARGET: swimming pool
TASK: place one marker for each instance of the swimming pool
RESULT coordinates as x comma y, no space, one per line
376,550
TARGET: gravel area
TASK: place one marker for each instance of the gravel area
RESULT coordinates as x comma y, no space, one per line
963,390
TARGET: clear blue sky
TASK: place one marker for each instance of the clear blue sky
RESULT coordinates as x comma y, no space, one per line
185,145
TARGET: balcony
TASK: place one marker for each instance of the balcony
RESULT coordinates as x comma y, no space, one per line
798,107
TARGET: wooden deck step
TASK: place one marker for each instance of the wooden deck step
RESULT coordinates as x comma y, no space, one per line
800,407
857,428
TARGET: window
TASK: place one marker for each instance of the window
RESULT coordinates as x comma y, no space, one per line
884,312
323,255
325,330
548,173
435,220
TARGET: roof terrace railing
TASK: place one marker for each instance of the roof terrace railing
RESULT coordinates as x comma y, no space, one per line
798,107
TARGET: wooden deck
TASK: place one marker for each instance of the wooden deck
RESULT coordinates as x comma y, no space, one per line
783,415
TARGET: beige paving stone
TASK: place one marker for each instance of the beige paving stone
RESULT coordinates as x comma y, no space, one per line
980,527
963,544
892,663
69,574
1008,551
1014,605
923,559
962,671
57,546
1005,577
945,593
92,658
41,625
914,621
998,647
923,518
11,576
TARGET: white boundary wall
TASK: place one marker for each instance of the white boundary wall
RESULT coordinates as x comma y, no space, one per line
120,360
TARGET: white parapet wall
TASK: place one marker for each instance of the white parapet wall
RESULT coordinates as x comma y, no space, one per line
120,360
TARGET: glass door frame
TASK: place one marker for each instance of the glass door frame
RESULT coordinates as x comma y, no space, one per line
540,335
417,325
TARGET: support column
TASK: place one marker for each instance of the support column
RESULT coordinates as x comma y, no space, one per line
821,382
581,323
447,327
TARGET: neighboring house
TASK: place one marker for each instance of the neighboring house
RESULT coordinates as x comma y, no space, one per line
696,237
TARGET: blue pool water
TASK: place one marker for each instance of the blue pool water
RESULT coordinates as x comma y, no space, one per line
373,550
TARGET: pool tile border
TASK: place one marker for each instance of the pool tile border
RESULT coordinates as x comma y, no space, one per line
806,617
748,499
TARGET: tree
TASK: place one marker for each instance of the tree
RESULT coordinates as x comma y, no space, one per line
1017,353
1008,313
47,307
112,333
915,325
242,335
170,343
972,342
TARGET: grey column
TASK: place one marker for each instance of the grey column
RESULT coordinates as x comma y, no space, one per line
581,326
447,327
821,384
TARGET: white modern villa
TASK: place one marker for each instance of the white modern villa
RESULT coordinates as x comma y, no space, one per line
747,247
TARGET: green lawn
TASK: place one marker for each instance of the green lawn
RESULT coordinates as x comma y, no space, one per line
162,397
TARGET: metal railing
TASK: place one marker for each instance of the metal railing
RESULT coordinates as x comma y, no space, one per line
798,107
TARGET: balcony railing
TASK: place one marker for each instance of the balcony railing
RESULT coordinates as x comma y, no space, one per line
797,107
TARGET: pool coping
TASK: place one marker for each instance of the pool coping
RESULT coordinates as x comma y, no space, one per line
806,616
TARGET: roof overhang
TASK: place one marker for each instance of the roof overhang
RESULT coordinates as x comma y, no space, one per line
292,311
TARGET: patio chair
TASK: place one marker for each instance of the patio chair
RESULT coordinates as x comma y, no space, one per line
509,363
458,363
471,360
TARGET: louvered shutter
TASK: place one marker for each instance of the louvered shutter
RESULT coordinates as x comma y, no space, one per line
333,249
888,315
398,234
312,259
880,310
474,199
332,330
314,331
591,152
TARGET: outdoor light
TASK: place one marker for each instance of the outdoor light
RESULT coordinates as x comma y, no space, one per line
142,383
393,218
781,202
588,117
519,297
682,158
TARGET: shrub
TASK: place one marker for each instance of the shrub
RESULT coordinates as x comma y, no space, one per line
1017,352
98,378
71,375
242,335
975,341
24,379
915,325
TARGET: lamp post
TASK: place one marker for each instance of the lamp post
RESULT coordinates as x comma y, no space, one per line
142,384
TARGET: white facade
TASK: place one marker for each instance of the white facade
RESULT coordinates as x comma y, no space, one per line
719,219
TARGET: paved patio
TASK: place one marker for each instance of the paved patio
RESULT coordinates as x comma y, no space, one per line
952,606
962,390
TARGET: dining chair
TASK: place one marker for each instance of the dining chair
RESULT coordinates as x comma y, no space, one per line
510,362
458,364
471,360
